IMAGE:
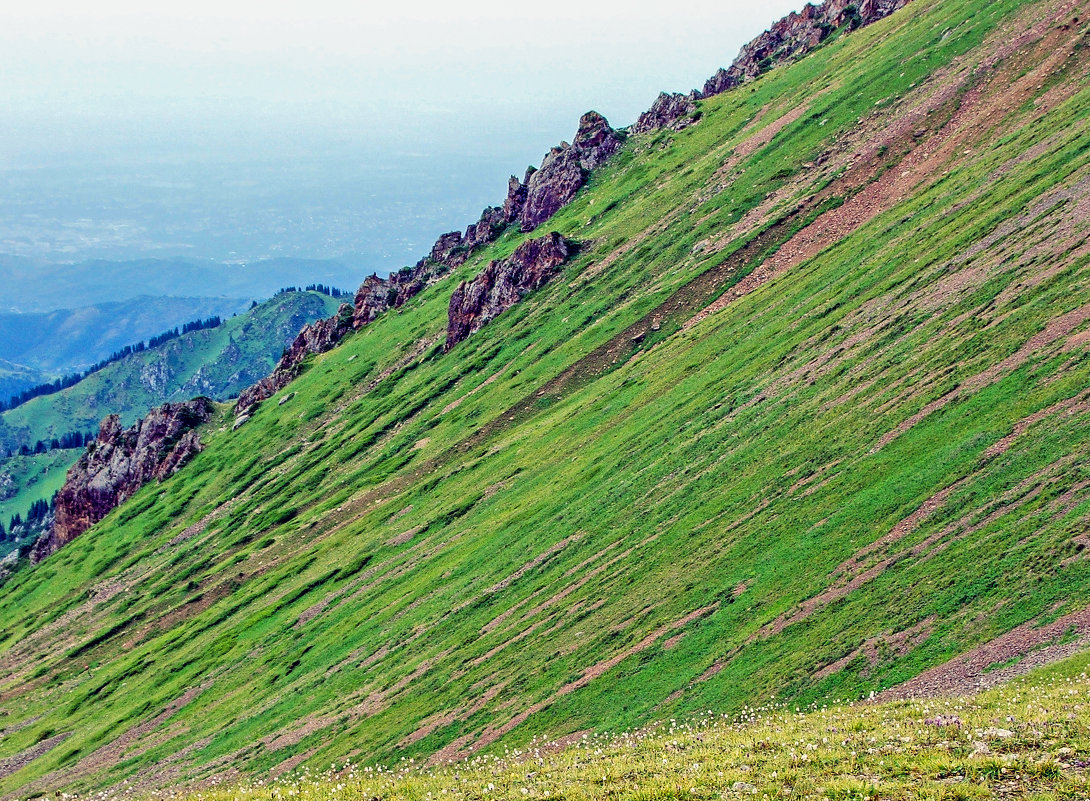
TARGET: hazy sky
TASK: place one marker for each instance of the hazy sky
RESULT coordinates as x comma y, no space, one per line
237,131
79,77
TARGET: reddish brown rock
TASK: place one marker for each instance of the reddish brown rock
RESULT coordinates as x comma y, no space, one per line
552,187
674,111
446,246
564,170
376,295
317,337
118,463
796,34
503,283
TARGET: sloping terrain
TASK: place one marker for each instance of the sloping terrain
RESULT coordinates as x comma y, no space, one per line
14,378
805,417
1027,740
217,362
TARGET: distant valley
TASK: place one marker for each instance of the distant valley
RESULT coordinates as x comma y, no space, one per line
217,362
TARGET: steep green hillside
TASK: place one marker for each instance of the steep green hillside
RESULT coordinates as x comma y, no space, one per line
1027,740
804,419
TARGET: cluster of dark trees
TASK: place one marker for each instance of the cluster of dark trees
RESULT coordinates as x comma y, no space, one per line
323,289
73,439
18,526
195,325
71,380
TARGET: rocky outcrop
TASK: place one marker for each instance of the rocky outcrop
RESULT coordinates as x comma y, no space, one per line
565,168
791,37
118,463
534,199
674,111
376,295
503,283
317,337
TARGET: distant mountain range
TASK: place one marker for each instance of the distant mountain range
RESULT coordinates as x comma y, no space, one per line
31,286
47,344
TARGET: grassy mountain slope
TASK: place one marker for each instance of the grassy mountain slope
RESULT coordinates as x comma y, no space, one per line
805,418
1026,740
218,362
14,378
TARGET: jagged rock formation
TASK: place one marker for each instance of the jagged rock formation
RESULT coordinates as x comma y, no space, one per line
376,295
314,338
538,196
795,35
503,283
565,168
530,202
673,111
118,463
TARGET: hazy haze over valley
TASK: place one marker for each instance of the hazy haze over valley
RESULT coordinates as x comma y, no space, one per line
238,132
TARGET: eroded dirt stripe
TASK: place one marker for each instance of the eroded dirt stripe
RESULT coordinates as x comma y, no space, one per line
1026,647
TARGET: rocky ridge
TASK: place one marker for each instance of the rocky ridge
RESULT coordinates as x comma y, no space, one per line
670,110
539,195
503,283
118,463
542,192
529,203
317,337
791,37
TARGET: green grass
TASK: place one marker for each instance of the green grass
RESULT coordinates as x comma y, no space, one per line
1025,740
419,551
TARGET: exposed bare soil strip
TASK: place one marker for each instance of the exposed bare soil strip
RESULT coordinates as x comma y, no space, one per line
1012,654
23,758
1056,329
116,750
896,643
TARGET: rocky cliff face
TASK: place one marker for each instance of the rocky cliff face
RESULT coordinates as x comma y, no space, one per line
118,463
376,295
314,338
793,36
503,283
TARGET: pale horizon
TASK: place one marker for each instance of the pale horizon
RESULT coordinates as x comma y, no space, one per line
311,132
